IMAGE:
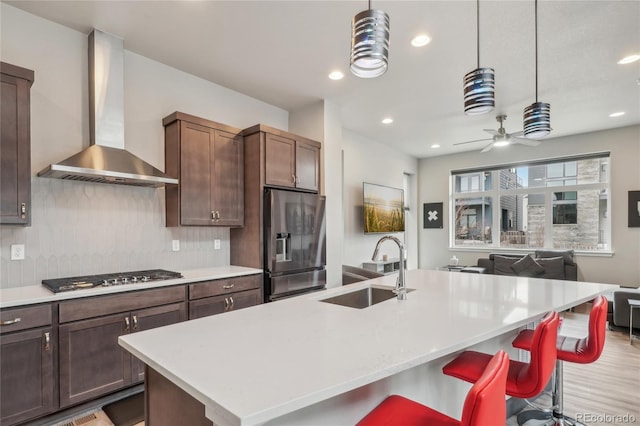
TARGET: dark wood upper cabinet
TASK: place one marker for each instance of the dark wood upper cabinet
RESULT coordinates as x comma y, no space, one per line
15,145
208,159
290,161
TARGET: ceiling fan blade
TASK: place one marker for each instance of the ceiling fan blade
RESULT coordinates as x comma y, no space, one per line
527,142
492,132
487,148
516,134
477,140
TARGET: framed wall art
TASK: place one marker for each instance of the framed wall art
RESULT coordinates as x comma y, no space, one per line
634,209
432,215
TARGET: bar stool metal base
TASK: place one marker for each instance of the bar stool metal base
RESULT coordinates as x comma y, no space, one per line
554,415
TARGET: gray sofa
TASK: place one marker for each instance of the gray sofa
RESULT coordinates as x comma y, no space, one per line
618,315
553,264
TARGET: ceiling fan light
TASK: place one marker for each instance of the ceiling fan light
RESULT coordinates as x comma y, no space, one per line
370,43
537,120
501,143
479,91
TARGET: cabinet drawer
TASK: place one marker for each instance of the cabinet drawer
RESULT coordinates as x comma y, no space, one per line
220,304
224,286
24,318
106,305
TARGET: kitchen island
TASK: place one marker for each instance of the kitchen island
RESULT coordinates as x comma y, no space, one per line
302,361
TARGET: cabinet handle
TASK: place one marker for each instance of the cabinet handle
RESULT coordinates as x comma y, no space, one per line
23,210
297,180
47,341
135,322
228,286
127,325
213,215
226,304
13,321
293,178
230,297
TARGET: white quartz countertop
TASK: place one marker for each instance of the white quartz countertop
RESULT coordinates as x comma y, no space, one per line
253,365
37,293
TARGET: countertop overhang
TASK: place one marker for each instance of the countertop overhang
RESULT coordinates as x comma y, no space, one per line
251,366
37,293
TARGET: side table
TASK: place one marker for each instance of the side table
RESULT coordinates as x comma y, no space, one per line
633,305
453,268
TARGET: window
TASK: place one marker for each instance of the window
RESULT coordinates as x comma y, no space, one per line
559,203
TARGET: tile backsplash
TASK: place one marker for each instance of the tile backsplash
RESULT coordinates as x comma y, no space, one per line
80,228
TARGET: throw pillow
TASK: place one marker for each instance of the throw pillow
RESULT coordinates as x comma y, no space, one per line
527,267
502,265
553,267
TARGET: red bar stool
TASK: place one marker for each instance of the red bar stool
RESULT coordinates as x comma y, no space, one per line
583,350
524,380
484,405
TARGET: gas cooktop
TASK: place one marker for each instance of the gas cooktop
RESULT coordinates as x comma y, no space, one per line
107,280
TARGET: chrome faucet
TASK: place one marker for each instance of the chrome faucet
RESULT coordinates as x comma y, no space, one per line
401,288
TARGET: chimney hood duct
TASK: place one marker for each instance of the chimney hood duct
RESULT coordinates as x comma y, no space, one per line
106,160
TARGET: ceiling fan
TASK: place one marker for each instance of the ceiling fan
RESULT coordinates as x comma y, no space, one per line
502,138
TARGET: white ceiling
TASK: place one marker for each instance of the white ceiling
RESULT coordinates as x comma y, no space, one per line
282,51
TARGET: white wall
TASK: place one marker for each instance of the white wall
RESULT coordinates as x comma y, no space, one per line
84,228
371,161
623,143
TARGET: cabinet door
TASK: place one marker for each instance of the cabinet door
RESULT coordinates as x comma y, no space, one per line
91,361
146,319
195,170
307,166
245,299
227,179
280,161
15,151
26,362
208,306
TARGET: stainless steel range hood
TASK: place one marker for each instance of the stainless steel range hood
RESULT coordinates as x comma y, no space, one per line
106,160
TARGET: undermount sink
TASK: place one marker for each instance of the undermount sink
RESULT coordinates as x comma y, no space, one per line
363,297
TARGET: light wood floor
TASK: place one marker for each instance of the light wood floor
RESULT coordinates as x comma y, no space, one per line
608,387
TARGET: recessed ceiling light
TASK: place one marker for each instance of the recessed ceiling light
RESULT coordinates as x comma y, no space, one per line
629,59
420,40
387,120
435,145
336,75
616,114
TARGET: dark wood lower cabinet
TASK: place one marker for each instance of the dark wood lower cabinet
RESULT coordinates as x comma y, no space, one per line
224,303
27,381
146,319
92,363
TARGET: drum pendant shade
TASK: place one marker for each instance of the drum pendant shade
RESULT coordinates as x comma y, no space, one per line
370,43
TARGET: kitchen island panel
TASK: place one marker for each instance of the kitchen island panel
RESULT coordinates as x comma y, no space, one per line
313,351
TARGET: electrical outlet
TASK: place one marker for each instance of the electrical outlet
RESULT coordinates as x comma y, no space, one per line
216,244
175,245
17,251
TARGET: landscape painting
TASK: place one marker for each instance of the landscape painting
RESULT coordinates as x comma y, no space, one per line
383,208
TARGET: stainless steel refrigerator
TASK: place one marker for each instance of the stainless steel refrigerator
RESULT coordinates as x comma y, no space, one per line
294,243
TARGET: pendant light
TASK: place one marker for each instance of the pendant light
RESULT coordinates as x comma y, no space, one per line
479,84
537,116
370,43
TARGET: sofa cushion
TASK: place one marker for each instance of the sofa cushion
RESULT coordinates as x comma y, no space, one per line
553,267
502,265
527,267
567,255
